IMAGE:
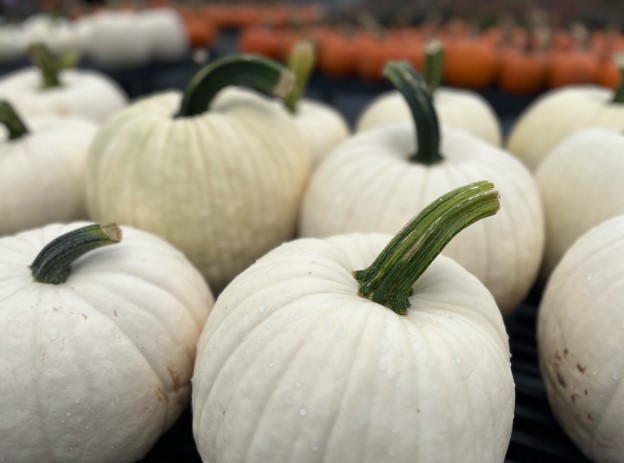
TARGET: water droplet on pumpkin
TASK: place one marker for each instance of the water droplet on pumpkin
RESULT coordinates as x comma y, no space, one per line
262,308
67,414
303,411
391,452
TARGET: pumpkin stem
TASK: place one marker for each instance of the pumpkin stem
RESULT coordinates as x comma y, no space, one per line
258,73
12,121
300,63
389,279
53,263
434,64
618,97
48,64
413,88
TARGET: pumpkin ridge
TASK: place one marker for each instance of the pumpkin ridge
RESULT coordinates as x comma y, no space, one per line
124,334
298,351
348,381
37,376
257,353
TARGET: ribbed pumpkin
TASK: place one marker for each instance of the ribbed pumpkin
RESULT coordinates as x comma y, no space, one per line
562,112
99,344
223,185
378,179
42,170
456,108
321,125
579,333
581,183
339,350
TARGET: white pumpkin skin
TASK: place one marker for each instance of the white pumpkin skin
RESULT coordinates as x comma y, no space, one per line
97,368
42,174
294,366
224,187
322,127
115,41
13,42
557,115
368,184
581,183
459,109
579,334
87,94
165,32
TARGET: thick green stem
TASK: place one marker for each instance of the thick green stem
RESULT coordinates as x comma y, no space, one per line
53,263
434,64
12,121
261,74
300,63
48,64
389,279
618,96
418,98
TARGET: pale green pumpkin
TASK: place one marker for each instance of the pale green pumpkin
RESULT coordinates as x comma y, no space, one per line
223,184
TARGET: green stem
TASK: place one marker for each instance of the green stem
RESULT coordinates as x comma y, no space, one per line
618,96
434,64
389,279
258,73
53,263
12,121
48,64
418,98
300,63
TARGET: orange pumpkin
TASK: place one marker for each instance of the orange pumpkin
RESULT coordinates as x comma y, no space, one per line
337,55
260,40
572,68
470,63
521,72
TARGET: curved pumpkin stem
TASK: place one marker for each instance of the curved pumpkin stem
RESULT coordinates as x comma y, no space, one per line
300,63
48,64
389,279
53,263
12,121
418,98
261,74
434,64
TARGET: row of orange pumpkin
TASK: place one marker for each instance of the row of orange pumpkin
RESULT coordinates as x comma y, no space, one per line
475,62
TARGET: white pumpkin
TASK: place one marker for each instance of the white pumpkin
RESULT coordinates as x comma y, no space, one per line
42,171
321,125
581,183
456,108
116,41
223,185
82,93
12,43
57,33
560,113
97,367
294,365
165,34
370,184
579,332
